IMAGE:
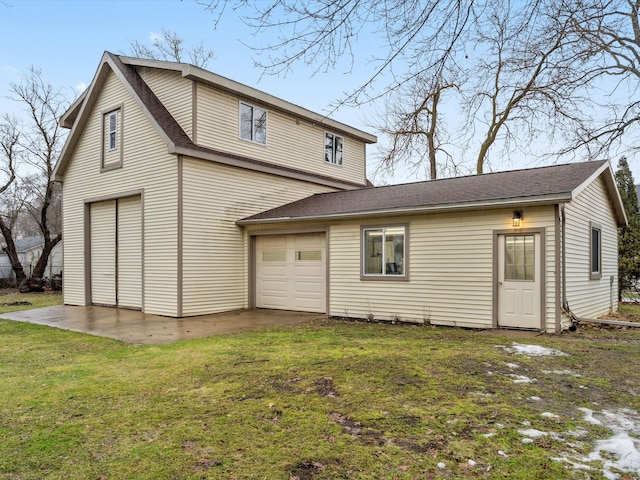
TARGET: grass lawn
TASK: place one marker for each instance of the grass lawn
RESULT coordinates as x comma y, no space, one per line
326,400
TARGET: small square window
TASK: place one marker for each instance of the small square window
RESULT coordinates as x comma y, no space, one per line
384,252
253,123
333,145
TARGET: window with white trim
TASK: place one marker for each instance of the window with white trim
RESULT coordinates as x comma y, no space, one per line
595,252
333,145
253,123
112,134
111,155
384,252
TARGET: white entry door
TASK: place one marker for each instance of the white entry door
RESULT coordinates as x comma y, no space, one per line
291,272
519,280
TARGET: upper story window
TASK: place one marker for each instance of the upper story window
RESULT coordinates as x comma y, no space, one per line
384,252
333,148
595,252
253,123
113,130
112,140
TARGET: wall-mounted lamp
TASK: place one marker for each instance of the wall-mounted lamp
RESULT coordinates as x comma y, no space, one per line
517,218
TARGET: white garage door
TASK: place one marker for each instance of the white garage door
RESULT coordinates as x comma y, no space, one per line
116,253
291,272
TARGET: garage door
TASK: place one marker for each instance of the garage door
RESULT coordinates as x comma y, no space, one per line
291,272
116,253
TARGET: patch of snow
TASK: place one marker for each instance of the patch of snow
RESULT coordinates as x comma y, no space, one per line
441,465
499,425
502,454
532,433
526,423
588,416
550,415
527,440
521,378
618,453
513,365
489,435
471,462
535,398
562,372
533,350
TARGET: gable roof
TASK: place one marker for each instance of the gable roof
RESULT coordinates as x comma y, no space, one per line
178,142
537,186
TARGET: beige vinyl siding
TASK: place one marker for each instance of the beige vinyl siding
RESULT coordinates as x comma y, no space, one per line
130,252
450,266
146,167
103,253
591,298
290,142
175,92
215,251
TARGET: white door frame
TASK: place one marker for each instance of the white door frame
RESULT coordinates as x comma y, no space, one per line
542,265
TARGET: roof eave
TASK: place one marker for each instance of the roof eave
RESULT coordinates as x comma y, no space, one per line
503,203
221,158
192,72
612,189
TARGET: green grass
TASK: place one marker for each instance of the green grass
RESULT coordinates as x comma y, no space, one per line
326,400
11,302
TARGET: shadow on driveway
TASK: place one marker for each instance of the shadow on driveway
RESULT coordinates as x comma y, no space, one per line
136,327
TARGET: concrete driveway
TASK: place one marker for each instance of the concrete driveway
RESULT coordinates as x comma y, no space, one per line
136,327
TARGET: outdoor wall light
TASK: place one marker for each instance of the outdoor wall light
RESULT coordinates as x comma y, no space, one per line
517,218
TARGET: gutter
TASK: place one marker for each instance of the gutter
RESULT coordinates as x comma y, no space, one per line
502,203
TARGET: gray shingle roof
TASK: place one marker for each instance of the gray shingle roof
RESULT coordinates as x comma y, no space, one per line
538,185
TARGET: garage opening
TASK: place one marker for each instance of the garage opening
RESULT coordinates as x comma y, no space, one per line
116,252
291,272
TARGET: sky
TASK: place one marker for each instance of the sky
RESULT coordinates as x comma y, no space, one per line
66,39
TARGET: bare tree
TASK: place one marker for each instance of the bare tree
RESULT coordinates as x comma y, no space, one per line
10,205
40,141
416,131
169,46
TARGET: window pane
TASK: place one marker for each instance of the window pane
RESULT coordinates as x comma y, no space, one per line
372,260
274,256
337,156
595,250
260,125
328,147
394,251
519,257
246,121
309,255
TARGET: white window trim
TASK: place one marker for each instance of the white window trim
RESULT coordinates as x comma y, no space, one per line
253,107
324,149
384,276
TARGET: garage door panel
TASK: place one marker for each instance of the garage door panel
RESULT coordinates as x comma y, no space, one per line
103,253
130,253
299,283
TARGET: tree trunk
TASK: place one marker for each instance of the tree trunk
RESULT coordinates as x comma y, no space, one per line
41,265
11,252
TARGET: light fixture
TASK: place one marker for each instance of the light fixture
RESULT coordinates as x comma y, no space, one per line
517,218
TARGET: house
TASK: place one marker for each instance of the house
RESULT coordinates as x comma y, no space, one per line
29,250
186,193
